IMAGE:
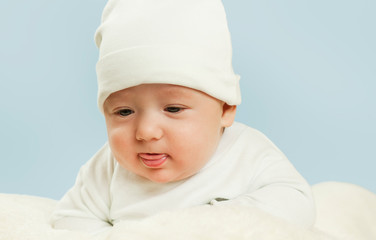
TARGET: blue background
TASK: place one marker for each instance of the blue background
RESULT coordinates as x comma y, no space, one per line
308,82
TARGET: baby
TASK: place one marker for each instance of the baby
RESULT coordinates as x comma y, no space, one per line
169,94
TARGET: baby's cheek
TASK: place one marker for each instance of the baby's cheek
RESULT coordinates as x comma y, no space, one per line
118,140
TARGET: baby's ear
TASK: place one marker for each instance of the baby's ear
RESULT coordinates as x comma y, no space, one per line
228,114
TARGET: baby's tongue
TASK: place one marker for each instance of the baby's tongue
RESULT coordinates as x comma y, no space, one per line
152,156
153,160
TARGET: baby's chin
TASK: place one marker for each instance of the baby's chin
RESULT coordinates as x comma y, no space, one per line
162,176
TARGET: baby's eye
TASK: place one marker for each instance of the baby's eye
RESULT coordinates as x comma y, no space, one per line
124,112
173,109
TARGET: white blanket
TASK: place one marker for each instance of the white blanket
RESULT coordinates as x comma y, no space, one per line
345,212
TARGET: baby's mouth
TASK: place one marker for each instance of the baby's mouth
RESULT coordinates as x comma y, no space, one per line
153,160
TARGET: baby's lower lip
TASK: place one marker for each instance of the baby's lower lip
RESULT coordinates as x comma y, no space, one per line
153,160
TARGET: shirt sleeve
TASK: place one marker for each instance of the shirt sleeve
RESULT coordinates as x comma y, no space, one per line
276,186
86,205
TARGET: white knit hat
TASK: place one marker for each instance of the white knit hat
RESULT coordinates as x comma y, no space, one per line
181,42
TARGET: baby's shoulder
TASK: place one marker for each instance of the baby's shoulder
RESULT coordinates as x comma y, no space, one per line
244,132
249,140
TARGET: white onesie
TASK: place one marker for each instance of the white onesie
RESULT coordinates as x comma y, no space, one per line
247,169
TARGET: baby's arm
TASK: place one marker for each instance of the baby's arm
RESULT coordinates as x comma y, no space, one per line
274,184
86,205
281,191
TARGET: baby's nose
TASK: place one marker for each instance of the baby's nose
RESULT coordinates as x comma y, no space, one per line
148,129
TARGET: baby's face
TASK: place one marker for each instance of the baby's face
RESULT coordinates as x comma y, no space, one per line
164,132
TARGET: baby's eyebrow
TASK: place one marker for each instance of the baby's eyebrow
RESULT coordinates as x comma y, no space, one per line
112,102
118,97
